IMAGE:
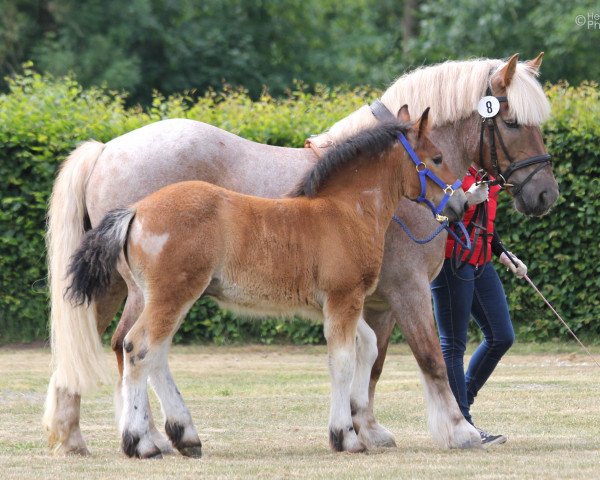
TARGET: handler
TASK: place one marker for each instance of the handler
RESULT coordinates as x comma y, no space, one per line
469,284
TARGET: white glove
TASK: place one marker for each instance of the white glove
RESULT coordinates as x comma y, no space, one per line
477,193
520,270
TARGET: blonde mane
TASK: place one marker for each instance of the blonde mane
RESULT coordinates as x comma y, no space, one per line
452,89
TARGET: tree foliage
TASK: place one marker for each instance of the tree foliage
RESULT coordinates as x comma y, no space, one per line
184,45
177,45
470,28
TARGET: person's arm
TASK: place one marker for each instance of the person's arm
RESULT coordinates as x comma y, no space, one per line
515,265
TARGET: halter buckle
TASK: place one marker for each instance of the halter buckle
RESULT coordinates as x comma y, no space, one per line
421,166
441,218
449,190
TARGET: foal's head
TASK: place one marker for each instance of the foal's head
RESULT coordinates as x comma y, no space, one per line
429,157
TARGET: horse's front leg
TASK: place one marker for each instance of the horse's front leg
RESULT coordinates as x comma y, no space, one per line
372,342
410,301
342,313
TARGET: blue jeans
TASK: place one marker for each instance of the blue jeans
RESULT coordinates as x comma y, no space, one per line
455,298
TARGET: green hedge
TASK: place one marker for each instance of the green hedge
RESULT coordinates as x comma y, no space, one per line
42,119
562,248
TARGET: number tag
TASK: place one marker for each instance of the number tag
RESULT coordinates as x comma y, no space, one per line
488,107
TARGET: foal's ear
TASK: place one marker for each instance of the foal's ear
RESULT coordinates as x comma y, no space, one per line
422,125
536,63
403,115
507,72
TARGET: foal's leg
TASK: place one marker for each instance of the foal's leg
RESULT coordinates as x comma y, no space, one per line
133,309
146,346
178,421
342,313
410,300
369,431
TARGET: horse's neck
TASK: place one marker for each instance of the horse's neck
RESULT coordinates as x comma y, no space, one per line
357,121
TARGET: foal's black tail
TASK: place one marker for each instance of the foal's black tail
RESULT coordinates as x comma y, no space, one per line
93,263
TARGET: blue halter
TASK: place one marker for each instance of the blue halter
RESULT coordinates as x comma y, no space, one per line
425,173
381,113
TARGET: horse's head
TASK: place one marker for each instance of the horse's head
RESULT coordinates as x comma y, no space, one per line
443,195
513,150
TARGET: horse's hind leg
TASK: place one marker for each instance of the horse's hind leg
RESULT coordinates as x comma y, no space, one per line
63,424
369,431
342,313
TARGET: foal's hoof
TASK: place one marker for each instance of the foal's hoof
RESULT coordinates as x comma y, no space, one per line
343,440
156,455
134,446
192,451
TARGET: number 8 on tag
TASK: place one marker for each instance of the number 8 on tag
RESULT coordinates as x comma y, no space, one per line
488,107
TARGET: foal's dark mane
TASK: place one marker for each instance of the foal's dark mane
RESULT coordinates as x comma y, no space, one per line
367,144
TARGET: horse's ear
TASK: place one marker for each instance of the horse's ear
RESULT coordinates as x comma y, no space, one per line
507,72
536,63
422,125
403,115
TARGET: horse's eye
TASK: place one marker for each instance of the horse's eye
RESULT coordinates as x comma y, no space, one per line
437,160
511,123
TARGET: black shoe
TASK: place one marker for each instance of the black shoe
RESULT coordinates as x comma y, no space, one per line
488,440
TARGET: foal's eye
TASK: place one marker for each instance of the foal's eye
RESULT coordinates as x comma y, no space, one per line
437,160
511,123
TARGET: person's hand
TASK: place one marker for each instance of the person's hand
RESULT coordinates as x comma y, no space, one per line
520,270
477,193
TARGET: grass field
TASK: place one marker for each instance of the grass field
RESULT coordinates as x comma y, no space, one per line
262,413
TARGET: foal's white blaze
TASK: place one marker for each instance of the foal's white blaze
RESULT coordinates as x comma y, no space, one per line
150,243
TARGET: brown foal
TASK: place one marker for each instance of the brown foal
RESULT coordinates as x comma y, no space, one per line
317,254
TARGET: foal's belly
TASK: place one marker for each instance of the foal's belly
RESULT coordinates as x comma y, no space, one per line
255,300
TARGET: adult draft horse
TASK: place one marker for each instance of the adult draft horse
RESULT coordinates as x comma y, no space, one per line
100,177
317,255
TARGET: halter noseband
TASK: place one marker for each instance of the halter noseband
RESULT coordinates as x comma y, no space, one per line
502,177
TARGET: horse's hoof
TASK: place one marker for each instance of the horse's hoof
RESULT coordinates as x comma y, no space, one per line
192,451
361,448
76,450
376,436
470,444
389,443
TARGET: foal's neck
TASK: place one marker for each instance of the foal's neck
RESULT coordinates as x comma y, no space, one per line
373,187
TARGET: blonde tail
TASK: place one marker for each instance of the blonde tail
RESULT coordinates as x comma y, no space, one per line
77,357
